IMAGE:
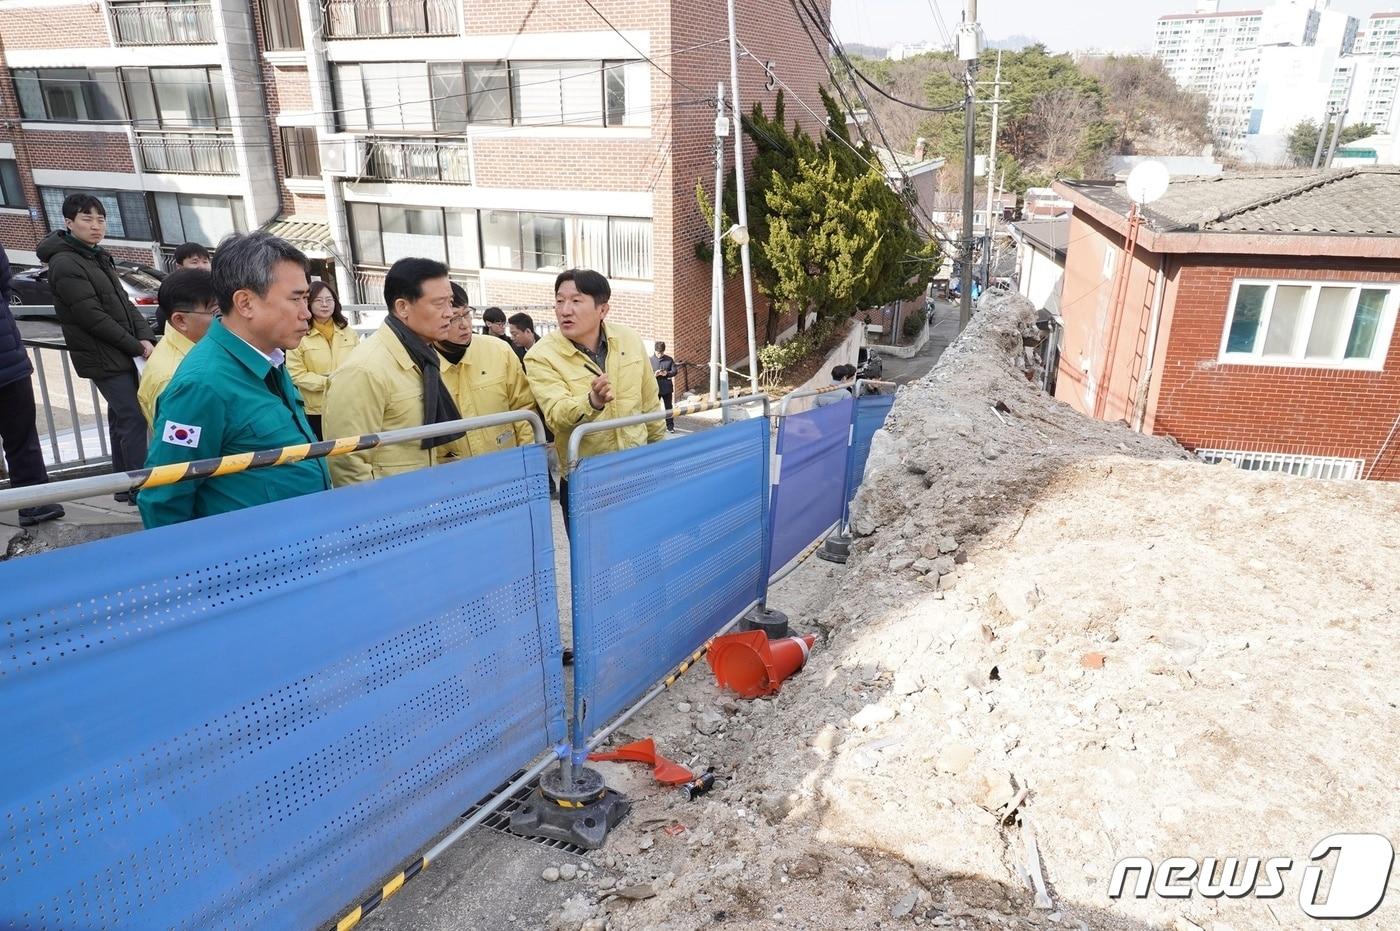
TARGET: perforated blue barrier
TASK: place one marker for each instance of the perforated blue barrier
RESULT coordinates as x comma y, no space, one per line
870,413
667,547
807,498
244,721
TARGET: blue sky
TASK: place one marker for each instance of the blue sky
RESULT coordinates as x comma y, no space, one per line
1109,24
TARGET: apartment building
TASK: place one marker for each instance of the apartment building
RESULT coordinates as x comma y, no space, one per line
1262,71
509,139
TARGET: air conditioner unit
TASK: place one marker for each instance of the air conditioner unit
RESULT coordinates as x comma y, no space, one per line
342,156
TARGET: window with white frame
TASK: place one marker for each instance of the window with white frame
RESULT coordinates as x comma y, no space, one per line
1298,323
619,247
1326,467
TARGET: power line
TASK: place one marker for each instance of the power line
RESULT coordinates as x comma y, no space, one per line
835,43
644,55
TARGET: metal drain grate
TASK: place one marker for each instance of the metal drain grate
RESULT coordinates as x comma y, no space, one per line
499,820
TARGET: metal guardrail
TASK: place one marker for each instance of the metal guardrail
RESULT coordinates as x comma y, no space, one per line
70,444
419,160
56,492
187,153
348,19
145,23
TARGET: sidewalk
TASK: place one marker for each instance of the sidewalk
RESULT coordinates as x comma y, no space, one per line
87,519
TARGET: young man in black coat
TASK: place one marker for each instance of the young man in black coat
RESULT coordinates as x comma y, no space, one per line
105,334
18,431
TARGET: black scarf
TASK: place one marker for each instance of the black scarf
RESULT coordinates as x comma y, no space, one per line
438,406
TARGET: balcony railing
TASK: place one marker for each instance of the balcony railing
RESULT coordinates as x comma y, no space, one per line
419,160
187,153
348,19
163,23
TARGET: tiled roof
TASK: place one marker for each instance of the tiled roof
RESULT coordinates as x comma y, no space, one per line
1350,201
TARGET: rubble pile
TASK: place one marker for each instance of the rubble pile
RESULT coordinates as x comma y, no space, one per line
1057,644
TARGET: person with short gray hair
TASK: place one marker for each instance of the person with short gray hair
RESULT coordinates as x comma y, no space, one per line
232,394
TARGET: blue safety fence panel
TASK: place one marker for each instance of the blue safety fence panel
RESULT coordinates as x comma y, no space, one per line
870,414
247,720
666,548
807,498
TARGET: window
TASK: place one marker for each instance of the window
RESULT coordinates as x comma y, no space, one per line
629,245
127,214
446,97
177,97
300,152
202,218
390,96
542,236
11,191
1295,323
1326,467
69,95
385,233
557,93
489,89
500,239
282,25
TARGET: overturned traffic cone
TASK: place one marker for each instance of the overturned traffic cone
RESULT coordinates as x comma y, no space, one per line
752,665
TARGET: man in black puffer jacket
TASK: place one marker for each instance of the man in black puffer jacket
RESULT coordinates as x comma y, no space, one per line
18,432
104,332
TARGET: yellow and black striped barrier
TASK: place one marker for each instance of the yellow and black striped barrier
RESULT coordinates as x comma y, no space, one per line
57,492
242,462
374,901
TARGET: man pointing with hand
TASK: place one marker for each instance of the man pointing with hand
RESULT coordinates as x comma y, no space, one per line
587,371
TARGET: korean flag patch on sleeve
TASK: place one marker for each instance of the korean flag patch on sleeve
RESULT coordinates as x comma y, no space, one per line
179,434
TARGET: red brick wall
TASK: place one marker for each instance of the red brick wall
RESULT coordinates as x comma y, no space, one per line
1317,412
77,26
770,31
78,151
582,164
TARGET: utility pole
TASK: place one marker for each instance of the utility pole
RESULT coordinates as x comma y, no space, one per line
717,264
990,225
1322,137
969,47
742,198
1336,137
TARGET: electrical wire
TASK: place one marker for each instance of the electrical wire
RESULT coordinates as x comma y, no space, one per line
644,55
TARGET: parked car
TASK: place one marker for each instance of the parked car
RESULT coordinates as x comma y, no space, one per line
31,287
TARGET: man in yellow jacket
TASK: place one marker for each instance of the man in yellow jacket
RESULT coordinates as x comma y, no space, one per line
586,371
187,307
485,377
394,378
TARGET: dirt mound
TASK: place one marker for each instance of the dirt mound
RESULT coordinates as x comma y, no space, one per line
1050,628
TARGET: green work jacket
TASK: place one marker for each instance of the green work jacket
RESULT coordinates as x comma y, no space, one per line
220,404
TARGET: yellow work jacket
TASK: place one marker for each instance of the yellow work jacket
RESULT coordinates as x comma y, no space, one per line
311,363
160,368
378,389
561,374
489,380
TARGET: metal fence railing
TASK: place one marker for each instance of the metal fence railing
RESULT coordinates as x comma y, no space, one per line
72,415
367,18
188,153
145,23
419,160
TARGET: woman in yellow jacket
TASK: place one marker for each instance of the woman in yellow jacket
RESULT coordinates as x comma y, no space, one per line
323,350
484,377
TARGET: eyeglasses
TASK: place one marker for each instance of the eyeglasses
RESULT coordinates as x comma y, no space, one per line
464,318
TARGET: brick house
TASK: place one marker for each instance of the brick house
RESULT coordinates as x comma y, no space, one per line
1256,322
509,139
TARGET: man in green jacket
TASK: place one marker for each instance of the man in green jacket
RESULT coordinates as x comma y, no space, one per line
232,394
104,333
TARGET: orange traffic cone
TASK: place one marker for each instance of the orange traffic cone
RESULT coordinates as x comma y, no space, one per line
752,665
667,772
